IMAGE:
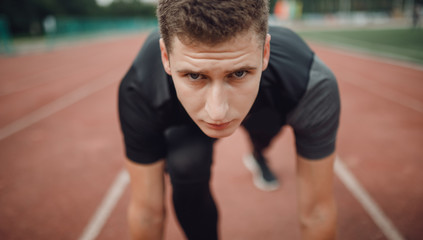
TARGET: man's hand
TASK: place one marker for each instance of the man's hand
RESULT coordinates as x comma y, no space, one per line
146,211
317,208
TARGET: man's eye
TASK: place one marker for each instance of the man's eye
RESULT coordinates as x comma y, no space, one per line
194,76
240,74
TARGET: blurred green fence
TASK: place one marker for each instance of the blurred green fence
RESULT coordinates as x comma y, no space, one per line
5,43
332,6
63,29
72,26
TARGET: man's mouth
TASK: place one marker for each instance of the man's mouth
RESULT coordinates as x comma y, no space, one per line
218,126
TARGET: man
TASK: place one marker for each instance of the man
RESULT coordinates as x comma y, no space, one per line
216,66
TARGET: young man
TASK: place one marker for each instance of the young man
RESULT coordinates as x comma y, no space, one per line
216,66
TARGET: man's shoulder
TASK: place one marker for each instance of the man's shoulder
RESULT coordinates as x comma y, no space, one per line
286,40
146,74
287,75
149,54
290,56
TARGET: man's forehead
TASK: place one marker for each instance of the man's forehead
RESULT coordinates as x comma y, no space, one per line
249,38
232,52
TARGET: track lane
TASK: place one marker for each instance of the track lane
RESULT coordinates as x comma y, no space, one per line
381,133
58,74
72,159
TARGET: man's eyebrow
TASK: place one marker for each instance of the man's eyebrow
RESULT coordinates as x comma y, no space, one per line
189,71
243,68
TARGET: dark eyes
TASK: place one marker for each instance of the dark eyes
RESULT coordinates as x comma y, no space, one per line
194,76
197,76
239,74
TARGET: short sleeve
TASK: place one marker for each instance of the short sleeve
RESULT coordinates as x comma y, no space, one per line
140,124
315,119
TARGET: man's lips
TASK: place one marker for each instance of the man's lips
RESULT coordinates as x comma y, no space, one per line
218,126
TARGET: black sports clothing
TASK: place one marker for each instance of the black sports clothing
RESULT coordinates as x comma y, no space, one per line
189,164
296,88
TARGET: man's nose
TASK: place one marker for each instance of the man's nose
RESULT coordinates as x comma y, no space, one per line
217,103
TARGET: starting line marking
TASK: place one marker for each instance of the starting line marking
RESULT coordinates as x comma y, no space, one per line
364,198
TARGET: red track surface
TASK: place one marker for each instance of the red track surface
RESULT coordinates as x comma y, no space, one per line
61,149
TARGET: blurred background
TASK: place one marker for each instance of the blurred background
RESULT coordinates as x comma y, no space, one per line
34,24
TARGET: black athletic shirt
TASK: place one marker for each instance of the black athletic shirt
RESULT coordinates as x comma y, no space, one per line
148,104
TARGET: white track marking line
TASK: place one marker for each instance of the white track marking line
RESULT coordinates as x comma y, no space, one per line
368,55
379,89
348,179
58,104
371,207
388,94
106,207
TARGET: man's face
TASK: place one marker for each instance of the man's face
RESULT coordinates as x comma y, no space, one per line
217,85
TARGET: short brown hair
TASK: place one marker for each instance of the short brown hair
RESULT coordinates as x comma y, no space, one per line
211,21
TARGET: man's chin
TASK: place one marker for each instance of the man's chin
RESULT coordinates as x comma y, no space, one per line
218,133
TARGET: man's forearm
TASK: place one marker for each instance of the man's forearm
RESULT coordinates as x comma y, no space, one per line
319,224
317,207
146,210
144,225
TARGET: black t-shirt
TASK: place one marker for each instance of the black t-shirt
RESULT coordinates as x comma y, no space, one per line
148,104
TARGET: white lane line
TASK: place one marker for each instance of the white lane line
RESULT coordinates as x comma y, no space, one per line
386,93
379,89
59,104
354,51
364,198
106,207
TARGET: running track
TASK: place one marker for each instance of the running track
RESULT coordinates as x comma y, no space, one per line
61,152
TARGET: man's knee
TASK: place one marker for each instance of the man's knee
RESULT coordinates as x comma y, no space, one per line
189,155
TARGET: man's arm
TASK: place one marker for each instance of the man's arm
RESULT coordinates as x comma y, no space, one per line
146,211
317,208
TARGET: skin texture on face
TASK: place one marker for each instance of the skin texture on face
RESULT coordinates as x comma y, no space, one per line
217,85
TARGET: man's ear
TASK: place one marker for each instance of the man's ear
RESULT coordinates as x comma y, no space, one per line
165,57
266,52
